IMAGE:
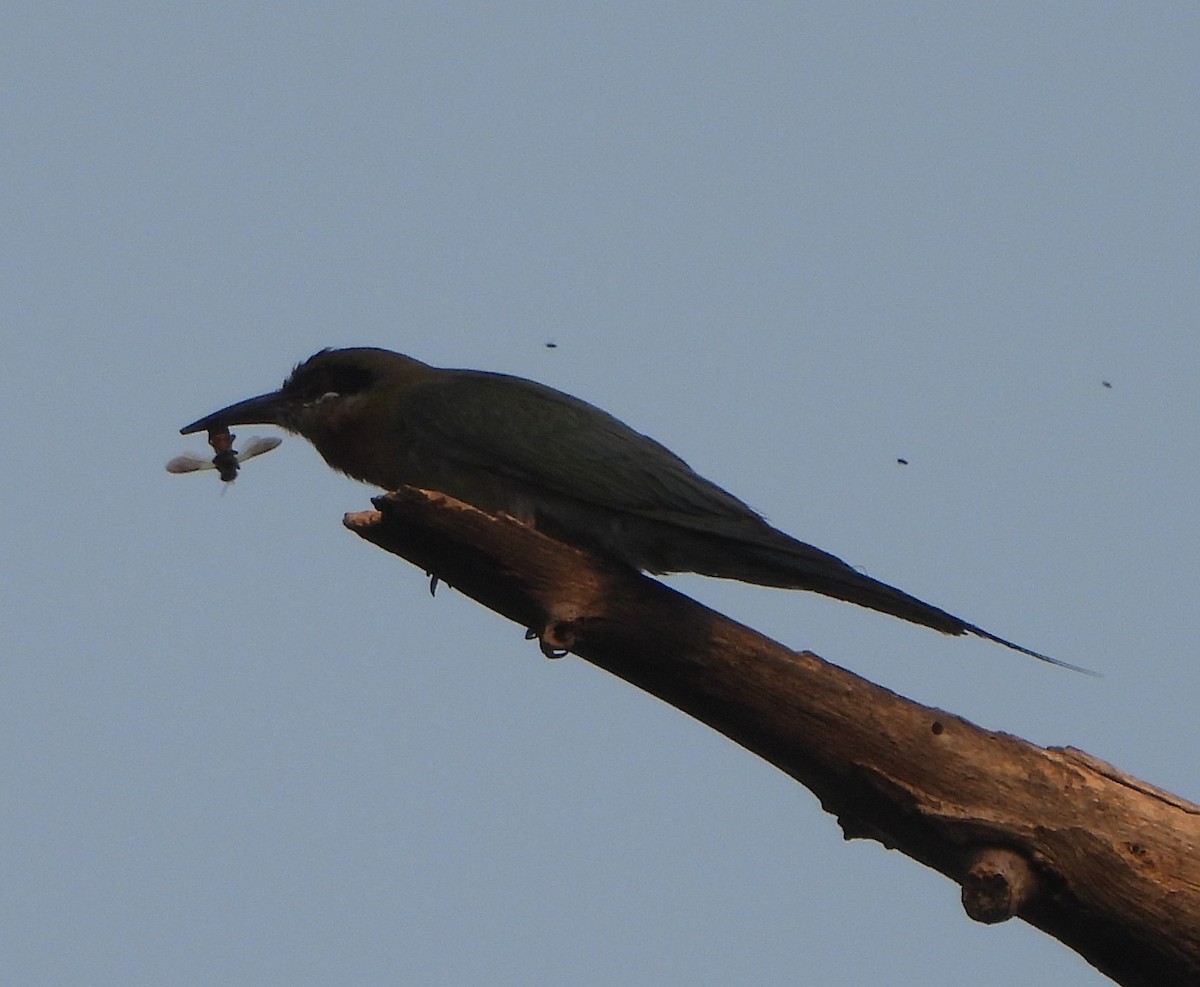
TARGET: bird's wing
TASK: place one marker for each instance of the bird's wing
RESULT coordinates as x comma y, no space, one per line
549,441
552,441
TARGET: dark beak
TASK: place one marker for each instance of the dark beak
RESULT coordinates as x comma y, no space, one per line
262,410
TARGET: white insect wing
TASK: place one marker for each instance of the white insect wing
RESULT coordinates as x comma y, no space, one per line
192,462
256,446
189,462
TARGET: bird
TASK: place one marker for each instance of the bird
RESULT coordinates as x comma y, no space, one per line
508,445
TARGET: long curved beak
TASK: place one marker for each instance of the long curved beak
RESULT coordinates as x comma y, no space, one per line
261,410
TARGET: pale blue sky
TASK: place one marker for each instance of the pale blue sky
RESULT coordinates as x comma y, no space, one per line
794,242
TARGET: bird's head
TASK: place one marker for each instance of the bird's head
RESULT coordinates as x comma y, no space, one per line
344,402
324,393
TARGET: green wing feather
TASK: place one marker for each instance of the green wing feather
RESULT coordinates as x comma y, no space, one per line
552,441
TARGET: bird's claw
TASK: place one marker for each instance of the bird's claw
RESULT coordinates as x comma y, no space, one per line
555,639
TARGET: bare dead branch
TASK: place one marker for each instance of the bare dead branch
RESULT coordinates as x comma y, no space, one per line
1103,862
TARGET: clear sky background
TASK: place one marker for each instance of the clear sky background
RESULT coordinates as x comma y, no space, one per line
794,242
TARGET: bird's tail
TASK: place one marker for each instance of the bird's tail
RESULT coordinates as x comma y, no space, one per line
795,565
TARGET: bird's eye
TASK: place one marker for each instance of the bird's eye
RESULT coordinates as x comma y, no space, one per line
327,396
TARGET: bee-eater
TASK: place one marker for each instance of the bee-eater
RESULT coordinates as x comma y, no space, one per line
509,445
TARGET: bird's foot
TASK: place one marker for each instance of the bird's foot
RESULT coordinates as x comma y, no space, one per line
555,639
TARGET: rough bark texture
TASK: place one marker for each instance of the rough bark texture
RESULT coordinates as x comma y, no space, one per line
1101,861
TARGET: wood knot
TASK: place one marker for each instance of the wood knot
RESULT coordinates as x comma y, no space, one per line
998,883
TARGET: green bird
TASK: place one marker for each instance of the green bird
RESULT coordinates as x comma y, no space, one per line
509,445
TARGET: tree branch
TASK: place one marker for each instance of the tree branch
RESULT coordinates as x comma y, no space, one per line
1103,862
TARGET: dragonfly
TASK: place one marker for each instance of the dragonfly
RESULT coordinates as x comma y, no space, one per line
227,460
